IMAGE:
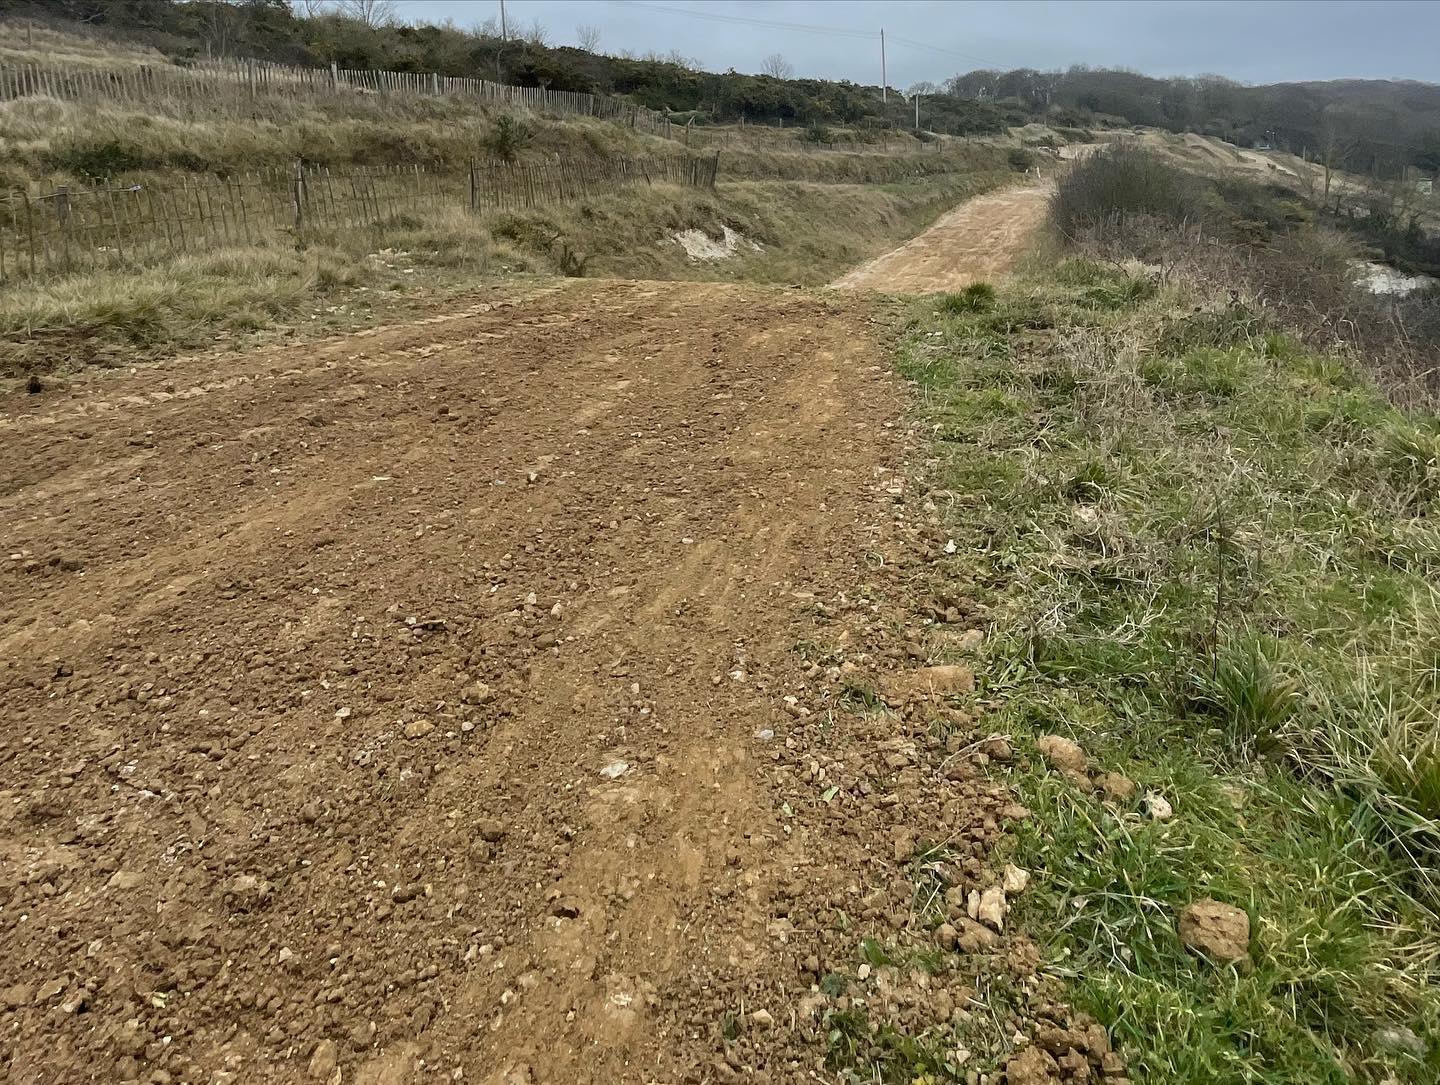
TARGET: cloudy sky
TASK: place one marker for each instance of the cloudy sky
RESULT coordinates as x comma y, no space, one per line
1254,41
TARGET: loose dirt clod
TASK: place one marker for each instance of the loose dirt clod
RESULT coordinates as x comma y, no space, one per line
1215,930
1062,755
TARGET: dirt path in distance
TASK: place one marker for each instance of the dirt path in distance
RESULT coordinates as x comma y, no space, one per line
981,239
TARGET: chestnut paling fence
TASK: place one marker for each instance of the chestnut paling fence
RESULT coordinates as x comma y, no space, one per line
239,86
117,224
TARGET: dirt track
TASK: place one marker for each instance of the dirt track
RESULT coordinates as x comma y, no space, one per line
313,659
981,239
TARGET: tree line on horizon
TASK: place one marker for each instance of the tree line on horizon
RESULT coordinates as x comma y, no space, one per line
1378,127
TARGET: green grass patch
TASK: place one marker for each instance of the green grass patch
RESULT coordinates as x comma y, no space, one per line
1210,557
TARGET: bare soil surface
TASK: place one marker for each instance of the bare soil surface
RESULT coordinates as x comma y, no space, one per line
981,239
485,698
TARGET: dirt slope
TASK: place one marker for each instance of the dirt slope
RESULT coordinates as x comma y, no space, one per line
460,699
981,239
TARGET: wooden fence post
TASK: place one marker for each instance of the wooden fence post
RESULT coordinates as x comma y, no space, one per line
299,198
62,212
473,193
29,228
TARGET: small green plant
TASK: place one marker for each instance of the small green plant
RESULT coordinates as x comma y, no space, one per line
975,298
818,133
507,139
1248,695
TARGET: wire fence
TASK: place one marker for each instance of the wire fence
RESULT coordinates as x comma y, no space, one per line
116,225
235,83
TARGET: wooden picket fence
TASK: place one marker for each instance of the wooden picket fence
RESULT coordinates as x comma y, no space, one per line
117,225
237,83
516,186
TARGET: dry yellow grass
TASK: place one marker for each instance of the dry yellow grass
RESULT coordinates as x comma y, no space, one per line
28,41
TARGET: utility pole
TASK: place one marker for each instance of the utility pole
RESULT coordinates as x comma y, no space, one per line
503,35
883,88
917,112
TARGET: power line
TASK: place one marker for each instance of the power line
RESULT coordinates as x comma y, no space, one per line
806,28
945,52
769,24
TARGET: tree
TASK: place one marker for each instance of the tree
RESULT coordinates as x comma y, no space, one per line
535,33
220,24
1337,143
371,13
777,66
587,37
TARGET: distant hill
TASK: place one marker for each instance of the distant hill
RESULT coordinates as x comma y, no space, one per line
1368,125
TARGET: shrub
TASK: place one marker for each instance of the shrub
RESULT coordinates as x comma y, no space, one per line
1123,179
818,133
97,161
975,298
1020,160
507,139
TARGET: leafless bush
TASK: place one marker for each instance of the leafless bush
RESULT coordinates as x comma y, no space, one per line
1126,204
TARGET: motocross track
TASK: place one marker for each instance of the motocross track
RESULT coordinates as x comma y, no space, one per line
413,705
981,239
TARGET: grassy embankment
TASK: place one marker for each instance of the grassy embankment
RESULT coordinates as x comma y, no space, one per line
1210,550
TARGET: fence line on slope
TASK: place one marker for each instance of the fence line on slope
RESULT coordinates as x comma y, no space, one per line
117,225
237,82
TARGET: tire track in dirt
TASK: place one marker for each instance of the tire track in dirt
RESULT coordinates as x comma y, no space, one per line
538,538
313,658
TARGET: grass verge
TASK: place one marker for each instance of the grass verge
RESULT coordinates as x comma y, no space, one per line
1210,554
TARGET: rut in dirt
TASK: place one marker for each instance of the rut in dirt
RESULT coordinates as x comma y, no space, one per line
462,696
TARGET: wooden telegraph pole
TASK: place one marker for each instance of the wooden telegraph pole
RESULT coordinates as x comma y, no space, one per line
884,89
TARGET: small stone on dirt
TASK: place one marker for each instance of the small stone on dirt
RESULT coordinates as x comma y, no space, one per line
1015,880
490,829
992,908
1218,931
1062,755
1157,807
763,1018
418,729
1031,1067
975,938
324,1060
615,770
997,749
939,681
16,995
475,693
1117,788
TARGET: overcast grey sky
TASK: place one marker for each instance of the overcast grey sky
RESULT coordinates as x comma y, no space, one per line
1255,41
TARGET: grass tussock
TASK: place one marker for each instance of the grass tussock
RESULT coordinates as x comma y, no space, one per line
1211,555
